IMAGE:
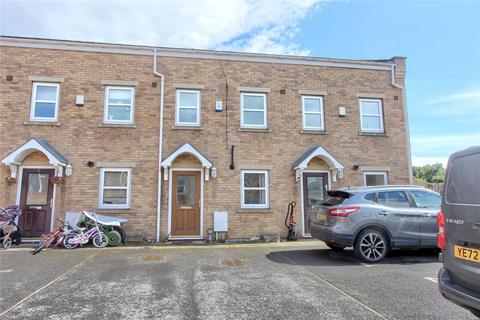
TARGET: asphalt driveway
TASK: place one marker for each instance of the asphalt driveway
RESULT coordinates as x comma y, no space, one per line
301,281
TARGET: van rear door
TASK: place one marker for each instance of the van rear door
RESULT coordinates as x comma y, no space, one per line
461,208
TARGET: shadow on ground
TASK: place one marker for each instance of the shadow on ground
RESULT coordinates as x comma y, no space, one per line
327,257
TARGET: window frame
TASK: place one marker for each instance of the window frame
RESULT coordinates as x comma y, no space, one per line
178,107
266,189
102,205
384,173
322,113
34,101
380,115
242,110
106,105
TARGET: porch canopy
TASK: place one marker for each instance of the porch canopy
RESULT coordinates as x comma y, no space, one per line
187,148
55,158
318,151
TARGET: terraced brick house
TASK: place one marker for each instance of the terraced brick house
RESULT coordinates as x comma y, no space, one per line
168,137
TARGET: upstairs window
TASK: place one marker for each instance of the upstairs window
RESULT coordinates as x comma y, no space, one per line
253,110
187,108
115,188
44,102
254,188
371,115
119,105
312,113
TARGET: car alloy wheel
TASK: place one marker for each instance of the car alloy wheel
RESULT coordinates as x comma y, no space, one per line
371,246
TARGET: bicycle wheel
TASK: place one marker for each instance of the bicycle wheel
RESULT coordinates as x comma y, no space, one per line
69,242
7,242
38,249
100,241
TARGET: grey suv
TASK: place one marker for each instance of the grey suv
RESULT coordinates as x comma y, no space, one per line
459,236
376,219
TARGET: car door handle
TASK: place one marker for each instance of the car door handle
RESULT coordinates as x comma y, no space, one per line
383,213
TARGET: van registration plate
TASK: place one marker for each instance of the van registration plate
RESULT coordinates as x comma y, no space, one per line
467,253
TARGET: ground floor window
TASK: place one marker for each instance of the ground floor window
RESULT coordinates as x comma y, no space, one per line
115,188
375,178
254,189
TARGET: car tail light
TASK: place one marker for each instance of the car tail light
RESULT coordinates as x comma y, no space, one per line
342,211
441,240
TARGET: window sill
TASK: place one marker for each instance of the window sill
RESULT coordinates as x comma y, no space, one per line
113,210
117,125
254,130
254,210
180,127
306,131
41,123
377,134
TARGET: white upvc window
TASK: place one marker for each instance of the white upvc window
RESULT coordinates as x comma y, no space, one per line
44,105
377,178
115,188
313,118
371,115
254,189
119,105
187,111
253,113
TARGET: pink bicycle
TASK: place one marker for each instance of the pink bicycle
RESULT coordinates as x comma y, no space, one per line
73,240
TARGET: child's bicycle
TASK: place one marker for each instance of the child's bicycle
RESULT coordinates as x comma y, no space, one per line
99,239
54,238
8,228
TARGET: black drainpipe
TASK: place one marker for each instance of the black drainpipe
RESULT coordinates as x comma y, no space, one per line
232,164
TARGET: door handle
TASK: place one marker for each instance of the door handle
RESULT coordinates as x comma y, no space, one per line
427,214
383,212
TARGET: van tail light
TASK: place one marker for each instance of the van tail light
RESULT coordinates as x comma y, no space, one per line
342,211
441,240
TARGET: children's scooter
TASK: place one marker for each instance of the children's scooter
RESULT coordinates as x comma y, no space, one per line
291,226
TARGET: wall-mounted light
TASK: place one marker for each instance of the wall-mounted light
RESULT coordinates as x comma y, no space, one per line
342,111
68,170
355,167
214,172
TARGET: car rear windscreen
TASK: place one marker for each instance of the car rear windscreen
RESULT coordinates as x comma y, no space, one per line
463,181
335,198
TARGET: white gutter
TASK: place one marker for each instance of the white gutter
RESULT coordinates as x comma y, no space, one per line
407,129
160,144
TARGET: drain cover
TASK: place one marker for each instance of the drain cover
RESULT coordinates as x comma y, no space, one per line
235,262
152,258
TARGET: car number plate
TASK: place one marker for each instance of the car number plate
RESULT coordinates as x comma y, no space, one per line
321,217
467,253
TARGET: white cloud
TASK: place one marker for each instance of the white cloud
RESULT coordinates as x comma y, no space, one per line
421,161
441,146
244,25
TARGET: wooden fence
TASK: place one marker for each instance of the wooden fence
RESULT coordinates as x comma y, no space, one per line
437,187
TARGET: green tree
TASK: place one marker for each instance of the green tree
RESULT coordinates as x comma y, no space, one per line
429,173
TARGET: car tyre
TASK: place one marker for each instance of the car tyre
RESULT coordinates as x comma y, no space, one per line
371,246
476,313
334,247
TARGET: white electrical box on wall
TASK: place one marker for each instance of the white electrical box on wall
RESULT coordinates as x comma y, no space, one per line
80,101
342,112
220,221
218,106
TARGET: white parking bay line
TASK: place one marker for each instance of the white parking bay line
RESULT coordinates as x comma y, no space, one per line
5,271
47,285
433,279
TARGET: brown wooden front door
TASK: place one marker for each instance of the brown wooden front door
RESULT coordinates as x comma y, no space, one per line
186,203
315,185
36,200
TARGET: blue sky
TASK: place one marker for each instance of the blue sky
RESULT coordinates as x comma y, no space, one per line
440,39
